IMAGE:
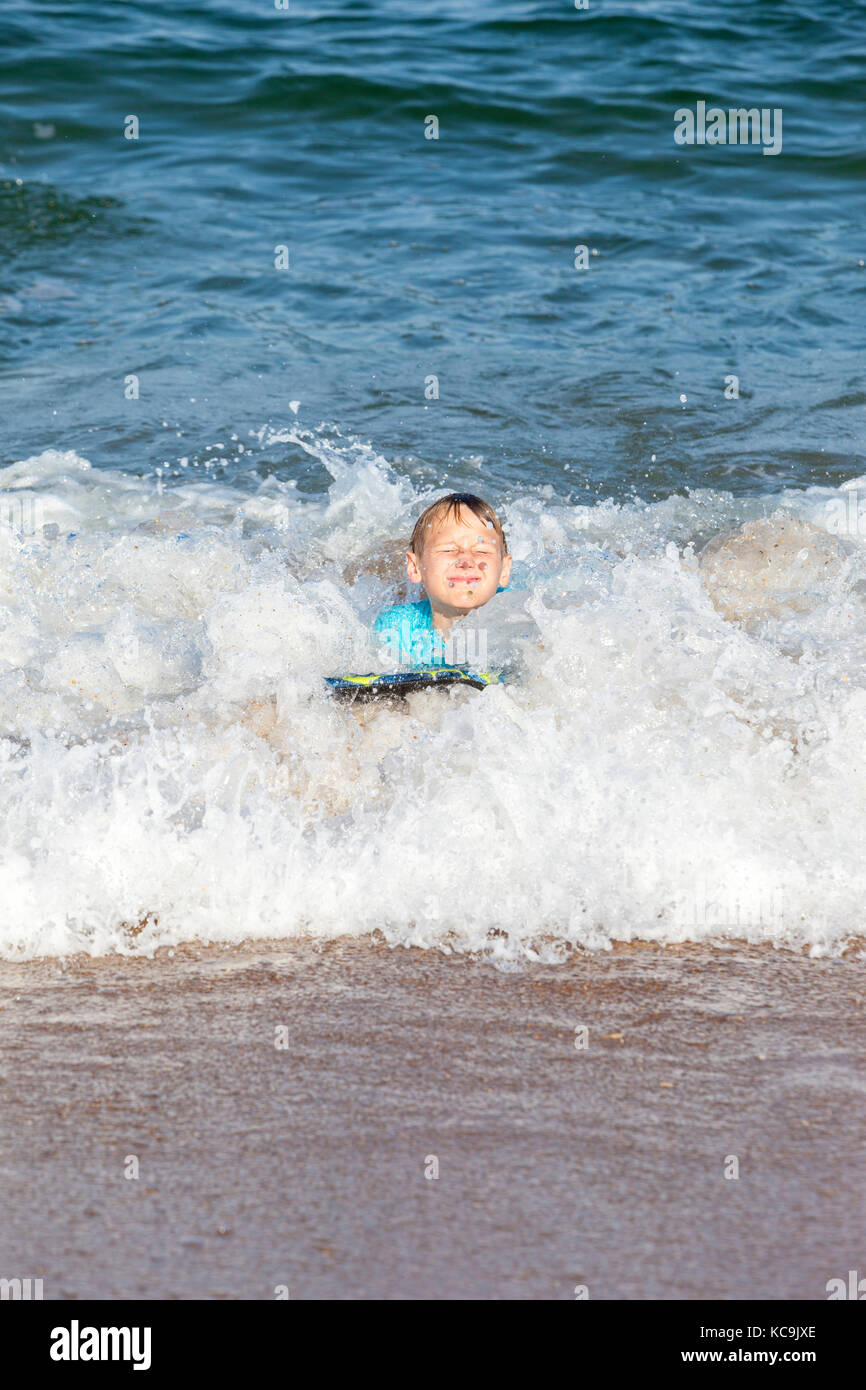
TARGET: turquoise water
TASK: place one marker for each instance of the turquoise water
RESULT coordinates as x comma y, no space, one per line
411,257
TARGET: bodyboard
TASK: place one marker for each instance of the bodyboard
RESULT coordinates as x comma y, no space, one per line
398,684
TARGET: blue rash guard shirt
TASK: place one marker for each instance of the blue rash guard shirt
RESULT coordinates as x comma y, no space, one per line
408,636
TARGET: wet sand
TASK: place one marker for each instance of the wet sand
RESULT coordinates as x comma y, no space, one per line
305,1166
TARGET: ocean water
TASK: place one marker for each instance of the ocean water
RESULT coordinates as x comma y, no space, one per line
208,465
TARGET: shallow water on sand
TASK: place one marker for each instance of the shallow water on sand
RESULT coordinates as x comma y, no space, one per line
304,1165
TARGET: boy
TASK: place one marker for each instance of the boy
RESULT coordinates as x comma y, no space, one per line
458,552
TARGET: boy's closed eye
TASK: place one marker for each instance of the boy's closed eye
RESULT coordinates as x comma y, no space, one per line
483,548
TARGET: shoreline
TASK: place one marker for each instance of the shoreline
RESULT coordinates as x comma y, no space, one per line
304,1165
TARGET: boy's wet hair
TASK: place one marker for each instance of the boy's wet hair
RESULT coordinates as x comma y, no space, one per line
452,505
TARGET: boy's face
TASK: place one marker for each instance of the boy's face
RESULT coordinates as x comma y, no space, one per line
461,565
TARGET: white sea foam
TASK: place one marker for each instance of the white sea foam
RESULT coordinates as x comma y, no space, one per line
171,769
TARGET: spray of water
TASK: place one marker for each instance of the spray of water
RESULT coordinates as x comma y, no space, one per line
678,753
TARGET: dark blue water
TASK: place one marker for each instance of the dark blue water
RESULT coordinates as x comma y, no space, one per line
454,258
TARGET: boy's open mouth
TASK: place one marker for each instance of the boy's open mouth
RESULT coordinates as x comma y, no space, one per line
465,579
